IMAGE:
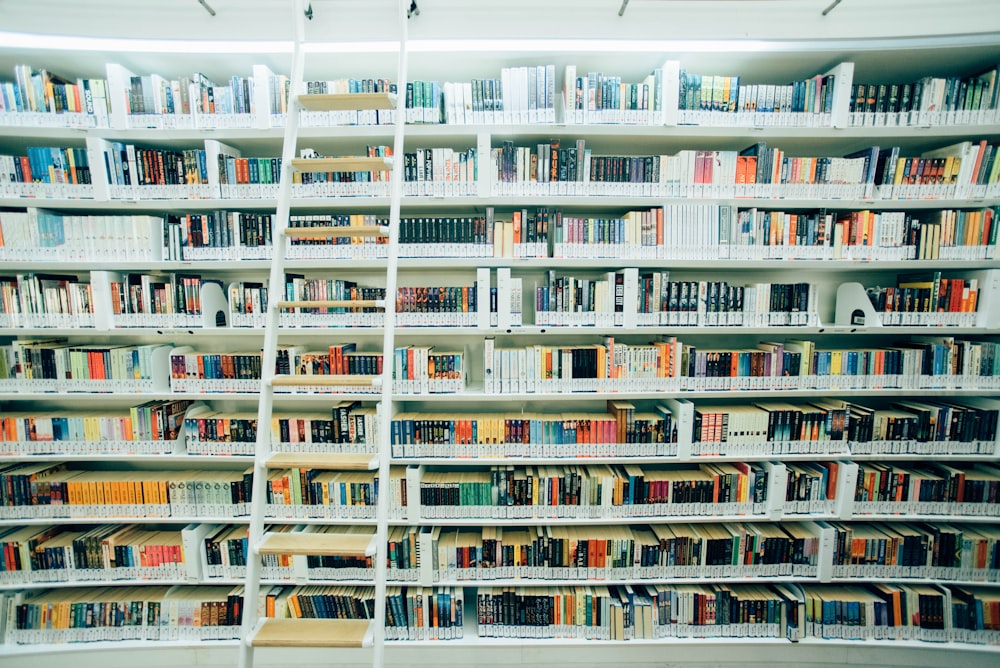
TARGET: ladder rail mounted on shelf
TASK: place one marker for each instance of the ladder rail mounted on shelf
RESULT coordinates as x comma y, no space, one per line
315,632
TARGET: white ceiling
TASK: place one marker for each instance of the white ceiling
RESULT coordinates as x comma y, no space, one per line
373,19
967,34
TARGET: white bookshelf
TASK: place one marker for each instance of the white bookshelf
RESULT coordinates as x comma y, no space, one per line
850,43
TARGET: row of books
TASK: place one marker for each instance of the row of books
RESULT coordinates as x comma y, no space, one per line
225,549
147,428
667,366
568,168
890,551
760,429
519,95
727,94
348,428
697,231
601,98
952,300
917,102
571,492
624,298
671,365
954,613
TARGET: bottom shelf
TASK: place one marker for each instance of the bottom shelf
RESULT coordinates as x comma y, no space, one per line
762,653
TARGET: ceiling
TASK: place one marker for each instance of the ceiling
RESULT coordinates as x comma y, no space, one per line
965,34
373,19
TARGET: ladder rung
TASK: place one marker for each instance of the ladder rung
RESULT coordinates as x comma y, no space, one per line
313,633
340,380
323,232
321,544
293,460
334,303
347,101
347,164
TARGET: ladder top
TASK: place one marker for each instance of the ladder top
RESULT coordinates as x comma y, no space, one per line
314,633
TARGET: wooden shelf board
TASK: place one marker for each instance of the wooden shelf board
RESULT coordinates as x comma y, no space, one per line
347,101
284,460
312,633
322,544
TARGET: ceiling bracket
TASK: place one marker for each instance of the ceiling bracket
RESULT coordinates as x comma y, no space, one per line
832,6
207,7
413,10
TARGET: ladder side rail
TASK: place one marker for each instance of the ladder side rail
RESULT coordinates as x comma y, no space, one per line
276,287
388,346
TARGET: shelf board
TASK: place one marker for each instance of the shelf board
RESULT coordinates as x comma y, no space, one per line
347,101
473,394
536,264
313,633
418,202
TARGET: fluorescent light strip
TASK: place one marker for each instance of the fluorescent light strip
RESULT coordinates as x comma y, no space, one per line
11,40
24,41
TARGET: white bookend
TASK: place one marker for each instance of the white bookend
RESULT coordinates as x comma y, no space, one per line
854,308
569,95
503,297
843,89
427,541
96,149
414,474
777,484
671,91
845,490
489,375
100,285
213,150
119,86
824,558
262,76
485,177
630,307
193,545
988,301
683,412
483,297
213,303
